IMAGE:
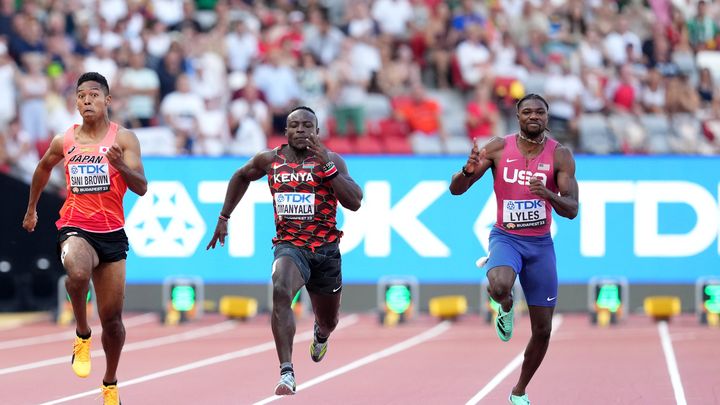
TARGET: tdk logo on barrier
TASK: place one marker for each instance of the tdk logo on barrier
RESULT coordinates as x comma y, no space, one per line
165,222
88,169
294,198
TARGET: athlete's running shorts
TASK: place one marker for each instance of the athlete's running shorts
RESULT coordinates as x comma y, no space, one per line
320,269
109,246
532,258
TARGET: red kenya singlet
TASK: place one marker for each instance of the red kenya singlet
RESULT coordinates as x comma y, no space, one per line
519,211
95,189
305,207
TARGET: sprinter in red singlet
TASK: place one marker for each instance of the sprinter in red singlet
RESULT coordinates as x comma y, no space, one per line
533,174
102,160
306,182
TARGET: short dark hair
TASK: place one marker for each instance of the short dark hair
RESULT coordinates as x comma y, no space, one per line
94,77
532,96
304,108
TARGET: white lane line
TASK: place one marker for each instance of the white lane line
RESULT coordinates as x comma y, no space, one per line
305,336
509,368
60,336
671,363
144,344
394,349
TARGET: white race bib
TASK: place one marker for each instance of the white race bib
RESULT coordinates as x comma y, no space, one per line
89,178
523,213
298,206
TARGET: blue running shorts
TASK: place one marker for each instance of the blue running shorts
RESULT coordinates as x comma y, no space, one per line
532,258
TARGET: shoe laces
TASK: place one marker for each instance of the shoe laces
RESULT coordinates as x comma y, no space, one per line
109,394
81,349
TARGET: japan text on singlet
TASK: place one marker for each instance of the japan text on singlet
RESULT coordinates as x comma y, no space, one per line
519,211
305,207
95,189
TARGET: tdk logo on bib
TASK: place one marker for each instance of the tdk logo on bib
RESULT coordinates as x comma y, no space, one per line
303,198
88,169
298,206
165,222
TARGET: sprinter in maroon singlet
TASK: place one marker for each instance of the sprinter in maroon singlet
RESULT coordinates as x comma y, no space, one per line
533,175
306,181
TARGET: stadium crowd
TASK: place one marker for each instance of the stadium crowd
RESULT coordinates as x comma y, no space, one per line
217,77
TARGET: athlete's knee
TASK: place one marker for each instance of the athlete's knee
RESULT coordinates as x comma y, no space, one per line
328,324
282,293
111,321
542,331
499,291
77,276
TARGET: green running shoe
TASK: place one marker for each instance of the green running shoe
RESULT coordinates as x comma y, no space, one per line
317,349
504,324
519,400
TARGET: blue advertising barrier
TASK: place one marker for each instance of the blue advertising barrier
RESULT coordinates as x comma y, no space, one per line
650,219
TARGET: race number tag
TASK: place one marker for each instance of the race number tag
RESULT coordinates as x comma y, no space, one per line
89,178
519,214
298,206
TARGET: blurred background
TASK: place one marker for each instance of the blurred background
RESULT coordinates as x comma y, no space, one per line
401,88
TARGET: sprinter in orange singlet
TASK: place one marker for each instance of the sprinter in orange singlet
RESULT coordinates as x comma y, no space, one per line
102,160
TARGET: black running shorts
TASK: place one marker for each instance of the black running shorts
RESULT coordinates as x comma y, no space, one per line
109,246
320,269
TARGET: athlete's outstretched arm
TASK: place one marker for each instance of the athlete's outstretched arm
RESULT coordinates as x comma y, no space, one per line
40,179
254,169
479,160
348,193
565,202
125,158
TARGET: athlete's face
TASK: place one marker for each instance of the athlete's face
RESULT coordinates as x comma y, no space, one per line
532,116
301,125
91,100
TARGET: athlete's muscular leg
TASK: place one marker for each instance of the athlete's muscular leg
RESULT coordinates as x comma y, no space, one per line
541,326
500,284
79,260
287,280
109,280
327,311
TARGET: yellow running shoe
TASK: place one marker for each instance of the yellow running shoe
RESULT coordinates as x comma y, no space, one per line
81,357
110,394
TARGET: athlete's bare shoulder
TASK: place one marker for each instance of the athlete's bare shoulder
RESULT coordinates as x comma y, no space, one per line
494,147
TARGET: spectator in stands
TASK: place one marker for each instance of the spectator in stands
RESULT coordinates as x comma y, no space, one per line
439,45
181,111
473,56
482,116
623,91
172,65
682,97
8,75
350,91
393,17
140,86
323,39
422,115
652,97
250,121
616,42
563,90
702,28
33,86
278,82
315,83
242,47
707,91
20,152
399,71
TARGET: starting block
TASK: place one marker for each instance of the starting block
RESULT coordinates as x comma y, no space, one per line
238,307
397,298
608,298
448,306
662,308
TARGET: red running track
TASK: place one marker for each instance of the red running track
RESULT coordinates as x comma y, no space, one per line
216,361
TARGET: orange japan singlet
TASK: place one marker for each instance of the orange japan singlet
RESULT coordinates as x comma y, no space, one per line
95,188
